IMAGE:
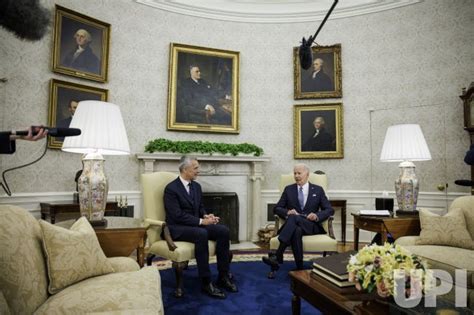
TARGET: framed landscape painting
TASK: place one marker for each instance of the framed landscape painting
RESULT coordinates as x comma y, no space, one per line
324,78
63,100
318,131
80,45
203,92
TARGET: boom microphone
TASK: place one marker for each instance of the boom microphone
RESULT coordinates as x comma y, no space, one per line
54,132
305,52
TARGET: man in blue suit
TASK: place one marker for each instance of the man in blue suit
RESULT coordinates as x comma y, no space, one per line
188,221
304,206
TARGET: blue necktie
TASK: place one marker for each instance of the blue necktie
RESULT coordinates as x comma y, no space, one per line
191,191
301,197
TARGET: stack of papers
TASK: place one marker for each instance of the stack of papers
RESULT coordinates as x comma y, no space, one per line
384,213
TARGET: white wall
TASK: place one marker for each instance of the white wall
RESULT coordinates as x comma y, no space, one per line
408,65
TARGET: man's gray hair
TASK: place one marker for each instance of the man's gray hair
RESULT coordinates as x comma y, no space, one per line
304,166
185,161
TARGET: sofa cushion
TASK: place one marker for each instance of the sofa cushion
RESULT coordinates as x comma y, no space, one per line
72,255
467,204
137,292
447,258
23,276
449,230
469,216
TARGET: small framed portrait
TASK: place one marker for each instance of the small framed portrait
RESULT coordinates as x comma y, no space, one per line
318,131
63,100
323,79
81,45
203,92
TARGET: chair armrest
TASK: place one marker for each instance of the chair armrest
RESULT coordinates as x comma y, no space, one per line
166,232
331,230
149,222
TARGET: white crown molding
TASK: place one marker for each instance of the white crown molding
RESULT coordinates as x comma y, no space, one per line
273,11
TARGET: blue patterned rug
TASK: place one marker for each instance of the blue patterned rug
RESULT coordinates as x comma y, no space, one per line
257,294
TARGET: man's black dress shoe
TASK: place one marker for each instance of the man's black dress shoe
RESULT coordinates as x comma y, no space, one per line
212,291
272,261
226,283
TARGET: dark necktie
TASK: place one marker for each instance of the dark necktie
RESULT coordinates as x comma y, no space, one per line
191,191
301,197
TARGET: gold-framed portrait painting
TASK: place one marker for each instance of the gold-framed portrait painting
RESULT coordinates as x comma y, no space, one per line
324,78
203,91
63,100
80,46
318,131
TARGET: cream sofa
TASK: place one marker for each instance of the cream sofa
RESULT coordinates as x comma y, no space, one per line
449,258
24,277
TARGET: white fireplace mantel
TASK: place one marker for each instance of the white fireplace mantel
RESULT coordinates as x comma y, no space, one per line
221,165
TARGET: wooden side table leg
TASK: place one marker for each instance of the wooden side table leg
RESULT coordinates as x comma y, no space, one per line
356,238
141,252
384,235
295,305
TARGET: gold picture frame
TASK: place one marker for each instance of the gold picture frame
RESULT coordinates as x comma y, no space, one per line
324,78
73,30
63,99
203,91
318,131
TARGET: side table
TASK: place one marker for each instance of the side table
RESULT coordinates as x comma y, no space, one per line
52,208
396,226
120,237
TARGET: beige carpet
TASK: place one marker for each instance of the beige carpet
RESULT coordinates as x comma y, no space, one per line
239,256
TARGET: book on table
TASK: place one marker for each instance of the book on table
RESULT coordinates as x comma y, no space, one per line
334,267
378,213
339,283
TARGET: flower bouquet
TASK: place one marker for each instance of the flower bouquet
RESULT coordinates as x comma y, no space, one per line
386,267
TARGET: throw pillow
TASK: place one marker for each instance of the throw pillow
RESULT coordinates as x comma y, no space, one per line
72,255
448,230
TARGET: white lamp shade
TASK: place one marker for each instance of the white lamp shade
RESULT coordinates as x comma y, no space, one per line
404,143
102,130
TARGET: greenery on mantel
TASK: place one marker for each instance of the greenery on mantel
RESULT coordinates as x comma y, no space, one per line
184,147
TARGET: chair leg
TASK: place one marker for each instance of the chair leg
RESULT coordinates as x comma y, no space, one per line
324,254
178,270
149,259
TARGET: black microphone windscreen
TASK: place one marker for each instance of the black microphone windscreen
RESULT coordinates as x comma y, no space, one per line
64,132
27,19
464,182
305,53
52,131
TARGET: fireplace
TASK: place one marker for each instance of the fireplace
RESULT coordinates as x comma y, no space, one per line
226,206
222,173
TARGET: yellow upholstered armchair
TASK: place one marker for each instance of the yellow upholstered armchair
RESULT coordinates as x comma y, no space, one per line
311,243
153,188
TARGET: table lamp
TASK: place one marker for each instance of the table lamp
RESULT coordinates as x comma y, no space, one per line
405,143
103,133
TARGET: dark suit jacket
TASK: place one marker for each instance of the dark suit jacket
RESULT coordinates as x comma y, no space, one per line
317,202
6,145
180,208
322,142
321,82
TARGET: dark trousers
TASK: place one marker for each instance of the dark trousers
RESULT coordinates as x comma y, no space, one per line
292,232
200,237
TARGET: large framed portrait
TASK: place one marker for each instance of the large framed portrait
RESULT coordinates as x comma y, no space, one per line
324,78
203,90
63,100
318,131
81,45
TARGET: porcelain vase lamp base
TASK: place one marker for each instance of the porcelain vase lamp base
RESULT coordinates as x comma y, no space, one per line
93,189
406,189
